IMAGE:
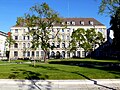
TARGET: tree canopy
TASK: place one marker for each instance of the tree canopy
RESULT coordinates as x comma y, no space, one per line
115,26
112,8
86,39
109,6
40,23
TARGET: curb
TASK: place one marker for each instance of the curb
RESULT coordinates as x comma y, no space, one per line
60,82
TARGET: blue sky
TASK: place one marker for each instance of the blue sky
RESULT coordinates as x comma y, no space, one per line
11,9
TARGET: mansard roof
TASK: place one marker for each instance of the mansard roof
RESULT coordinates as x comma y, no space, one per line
86,21
77,22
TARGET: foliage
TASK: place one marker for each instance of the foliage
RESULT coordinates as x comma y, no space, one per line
40,23
113,9
9,42
109,6
86,39
115,26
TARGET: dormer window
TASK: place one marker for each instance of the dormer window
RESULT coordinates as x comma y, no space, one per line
53,23
63,23
72,22
91,22
81,22
68,23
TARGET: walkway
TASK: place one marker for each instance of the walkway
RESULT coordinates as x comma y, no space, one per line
96,84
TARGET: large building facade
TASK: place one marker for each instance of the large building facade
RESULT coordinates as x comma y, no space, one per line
21,48
3,37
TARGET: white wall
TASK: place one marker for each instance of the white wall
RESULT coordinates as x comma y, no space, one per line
2,45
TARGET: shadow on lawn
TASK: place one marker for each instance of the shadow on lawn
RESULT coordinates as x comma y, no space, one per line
77,73
111,67
32,76
26,74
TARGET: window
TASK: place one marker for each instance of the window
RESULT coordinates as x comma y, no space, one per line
24,45
81,22
68,30
72,22
53,44
63,37
58,45
68,54
15,53
63,23
100,30
28,53
28,45
74,54
33,54
23,37
42,53
37,53
91,22
16,37
28,37
63,45
15,45
68,23
83,53
68,37
63,54
16,30
24,54
52,54
62,30
53,37
78,53
53,23
24,30
52,30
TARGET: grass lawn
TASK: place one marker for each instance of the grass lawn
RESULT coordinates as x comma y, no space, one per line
62,69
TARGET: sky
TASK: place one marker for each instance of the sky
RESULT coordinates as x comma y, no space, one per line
11,9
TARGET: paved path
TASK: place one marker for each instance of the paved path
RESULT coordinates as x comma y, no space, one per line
96,84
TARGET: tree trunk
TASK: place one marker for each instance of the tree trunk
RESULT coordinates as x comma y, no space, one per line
45,52
9,57
34,62
9,54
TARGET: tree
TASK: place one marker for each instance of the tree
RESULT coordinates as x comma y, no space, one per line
40,23
109,6
9,42
115,26
113,9
86,39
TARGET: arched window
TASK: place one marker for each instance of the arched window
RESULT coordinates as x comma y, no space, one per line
63,54
52,54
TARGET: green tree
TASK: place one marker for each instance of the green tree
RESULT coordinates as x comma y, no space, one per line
9,42
40,23
86,39
109,6
112,7
115,26
77,36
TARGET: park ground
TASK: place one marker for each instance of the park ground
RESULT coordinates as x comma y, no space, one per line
61,69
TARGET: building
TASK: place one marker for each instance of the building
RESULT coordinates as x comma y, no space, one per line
2,44
21,49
